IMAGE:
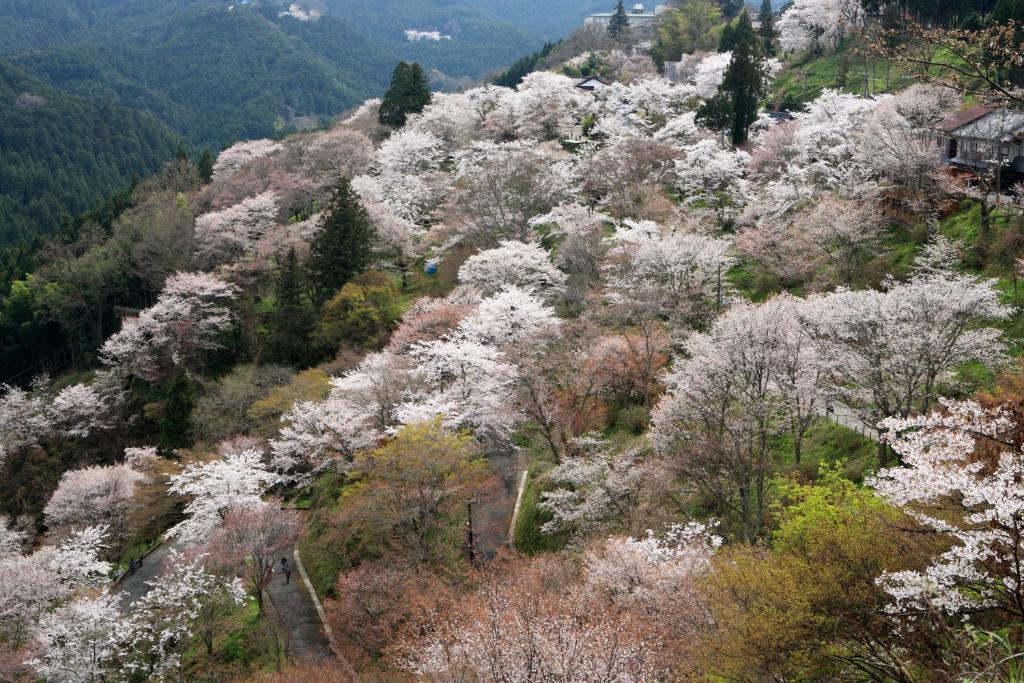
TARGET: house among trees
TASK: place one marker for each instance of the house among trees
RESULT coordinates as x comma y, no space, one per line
980,138
593,83
639,18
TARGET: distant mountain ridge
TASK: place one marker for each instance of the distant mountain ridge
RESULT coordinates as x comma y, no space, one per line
210,72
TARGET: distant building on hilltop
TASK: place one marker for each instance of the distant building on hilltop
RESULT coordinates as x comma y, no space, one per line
639,18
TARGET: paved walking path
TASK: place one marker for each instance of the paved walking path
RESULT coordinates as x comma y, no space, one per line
307,641
131,587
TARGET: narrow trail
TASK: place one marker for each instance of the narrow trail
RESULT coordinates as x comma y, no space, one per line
307,641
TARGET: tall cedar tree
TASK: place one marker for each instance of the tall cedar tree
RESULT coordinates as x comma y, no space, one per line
618,25
205,166
343,246
766,30
176,422
409,93
290,324
745,78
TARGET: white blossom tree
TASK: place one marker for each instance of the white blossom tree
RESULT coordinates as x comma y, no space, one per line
238,479
232,232
81,641
889,350
598,489
818,24
232,159
512,263
510,318
713,175
186,321
973,500
93,496
185,601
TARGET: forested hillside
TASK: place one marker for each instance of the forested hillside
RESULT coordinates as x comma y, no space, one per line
60,153
644,383
214,72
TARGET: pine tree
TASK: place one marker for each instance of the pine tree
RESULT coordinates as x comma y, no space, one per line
176,422
342,248
745,78
409,93
290,323
618,25
206,166
180,154
767,28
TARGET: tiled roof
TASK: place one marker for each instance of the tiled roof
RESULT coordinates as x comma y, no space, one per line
1004,125
962,118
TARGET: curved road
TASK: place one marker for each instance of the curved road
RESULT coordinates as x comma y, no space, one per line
307,641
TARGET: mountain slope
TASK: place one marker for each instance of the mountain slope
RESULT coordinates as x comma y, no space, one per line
60,153
217,75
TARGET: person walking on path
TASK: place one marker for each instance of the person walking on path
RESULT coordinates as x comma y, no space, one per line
131,565
286,569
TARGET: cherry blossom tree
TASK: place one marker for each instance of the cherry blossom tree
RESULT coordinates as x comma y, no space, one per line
511,318
256,537
23,419
674,275
532,624
818,24
888,350
599,489
361,408
656,577
710,73
429,319
512,263
713,175
185,601
81,641
186,321
742,384
949,484
94,496
235,480
232,159
227,234
503,186
31,584
466,381
621,174
410,151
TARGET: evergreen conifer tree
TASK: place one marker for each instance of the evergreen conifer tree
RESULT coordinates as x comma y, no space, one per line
766,30
745,78
176,422
205,167
290,323
408,93
730,8
343,246
618,25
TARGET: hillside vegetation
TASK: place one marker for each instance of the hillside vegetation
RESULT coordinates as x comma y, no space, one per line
541,384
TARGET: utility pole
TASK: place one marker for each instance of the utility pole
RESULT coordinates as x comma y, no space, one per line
470,542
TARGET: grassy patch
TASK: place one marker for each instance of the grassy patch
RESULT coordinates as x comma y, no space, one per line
827,442
529,538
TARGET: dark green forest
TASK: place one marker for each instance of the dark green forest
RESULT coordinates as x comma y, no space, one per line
124,81
59,152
